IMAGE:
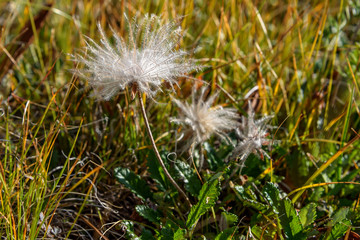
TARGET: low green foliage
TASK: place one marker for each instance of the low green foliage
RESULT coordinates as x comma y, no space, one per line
209,193
191,181
133,182
148,213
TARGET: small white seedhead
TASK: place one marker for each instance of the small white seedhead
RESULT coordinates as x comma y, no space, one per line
253,135
142,63
201,121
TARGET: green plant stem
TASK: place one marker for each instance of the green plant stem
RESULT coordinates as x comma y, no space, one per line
157,152
214,216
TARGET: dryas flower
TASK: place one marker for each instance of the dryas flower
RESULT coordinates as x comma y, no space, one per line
201,121
142,63
252,135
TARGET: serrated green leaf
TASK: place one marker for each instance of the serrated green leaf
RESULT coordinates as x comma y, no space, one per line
290,221
339,216
240,192
316,194
133,182
256,205
272,195
230,218
148,213
191,181
256,231
226,234
209,193
179,234
308,214
339,230
245,193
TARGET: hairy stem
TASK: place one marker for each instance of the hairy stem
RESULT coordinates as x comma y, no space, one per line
157,151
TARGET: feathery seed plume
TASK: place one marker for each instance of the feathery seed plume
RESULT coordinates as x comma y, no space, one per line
253,135
201,120
141,63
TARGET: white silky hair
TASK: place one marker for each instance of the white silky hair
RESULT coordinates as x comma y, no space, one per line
252,135
200,120
147,59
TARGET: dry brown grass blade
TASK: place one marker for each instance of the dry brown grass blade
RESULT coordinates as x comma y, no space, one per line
15,50
93,227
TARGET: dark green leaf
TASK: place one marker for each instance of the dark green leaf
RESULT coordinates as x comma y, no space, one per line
339,216
339,230
240,192
179,234
191,180
308,214
243,193
316,194
272,195
290,221
230,218
209,193
148,213
132,181
256,205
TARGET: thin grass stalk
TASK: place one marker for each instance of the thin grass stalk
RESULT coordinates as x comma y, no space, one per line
157,154
323,167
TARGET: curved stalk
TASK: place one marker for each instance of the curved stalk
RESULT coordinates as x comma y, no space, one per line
157,152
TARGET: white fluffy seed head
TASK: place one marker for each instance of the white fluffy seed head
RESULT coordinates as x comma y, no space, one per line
252,135
201,121
144,61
